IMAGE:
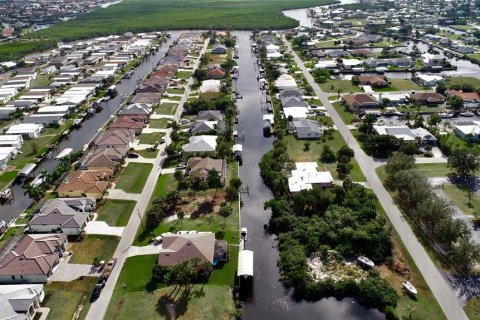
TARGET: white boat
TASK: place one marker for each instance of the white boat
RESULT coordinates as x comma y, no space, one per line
466,114
446,115
243,234
365,261
65,152
409,287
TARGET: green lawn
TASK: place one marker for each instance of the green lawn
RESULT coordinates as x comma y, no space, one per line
404,85
295,150
176,90
93,246
326,44
474,82
165,184
66,298
459,196
423,108
147,153
347,116
158,123
150,138
173,98
41,80
136,273
472,308
31,148
184,74
133,177
7,177
430,170
166,108
116,213
345,86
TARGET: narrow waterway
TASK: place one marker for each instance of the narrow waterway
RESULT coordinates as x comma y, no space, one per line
270,299
79,137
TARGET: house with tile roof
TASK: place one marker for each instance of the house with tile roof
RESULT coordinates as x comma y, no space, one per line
33,259
58,216
88,183
20,301
185,246
204,143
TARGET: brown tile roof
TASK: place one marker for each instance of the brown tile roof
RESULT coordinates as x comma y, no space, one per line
372,80
181,247
35,254
471,96
105,157
356,100
126,122
88,181
199,167
117,137
428,97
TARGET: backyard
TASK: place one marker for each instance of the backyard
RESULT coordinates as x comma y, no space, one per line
466,201
158,123
93,246
296,152
166,108
150,138
133,177
347,116
68,299
116,213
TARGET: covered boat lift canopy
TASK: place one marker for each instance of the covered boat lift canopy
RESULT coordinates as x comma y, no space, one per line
27,169
65,152
245,263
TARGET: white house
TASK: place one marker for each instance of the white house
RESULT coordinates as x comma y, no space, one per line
27,130
306,176
6,153
20,301
326,64
469,131
407,134
205,143
430,80
285,82
296,113
11,140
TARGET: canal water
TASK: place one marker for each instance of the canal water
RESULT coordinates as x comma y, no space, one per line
270,300
78,138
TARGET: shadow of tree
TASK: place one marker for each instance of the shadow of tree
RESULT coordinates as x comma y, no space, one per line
203,208
170,307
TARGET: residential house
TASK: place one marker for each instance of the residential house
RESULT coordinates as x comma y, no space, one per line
374,81
420,135
177,248
289,102
219,49
33,259
20,301
290,93
427,98
469,131
6,154
199,127
428,80
58,216
210,115
306,177
204,143
215,72
83,183
470,99
7,140
359,102
285,82
305,128
118,138
199,167
127,123
104,159
401,62
26,130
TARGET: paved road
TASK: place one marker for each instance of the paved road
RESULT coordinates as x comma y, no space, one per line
439,286
99,307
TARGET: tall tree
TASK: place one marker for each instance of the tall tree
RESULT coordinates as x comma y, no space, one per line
463,163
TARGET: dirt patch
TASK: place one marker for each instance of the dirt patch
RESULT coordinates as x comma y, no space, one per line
118,308
202,203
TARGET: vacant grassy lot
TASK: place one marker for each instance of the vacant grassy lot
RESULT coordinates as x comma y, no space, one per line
344,86
430,170
153,15
469,204
165,184
347,116
133,177
93,246
472,308
184,74
176,90
474,82
116,213
65,298
7,177
150,138
404,85
166,108
158,123
296,152
147,153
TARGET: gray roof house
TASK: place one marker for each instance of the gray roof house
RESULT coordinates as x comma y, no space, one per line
57,216
203,127
208,115
305,128
20,301
290,93
290,102
219,49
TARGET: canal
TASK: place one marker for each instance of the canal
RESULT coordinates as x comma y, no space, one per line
270,299
79,137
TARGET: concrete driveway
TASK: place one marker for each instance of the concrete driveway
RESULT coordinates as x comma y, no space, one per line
101,227
67,272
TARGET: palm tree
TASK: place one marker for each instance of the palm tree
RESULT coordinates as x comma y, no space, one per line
339,91
180,216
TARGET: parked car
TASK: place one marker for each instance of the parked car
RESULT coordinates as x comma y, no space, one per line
181,167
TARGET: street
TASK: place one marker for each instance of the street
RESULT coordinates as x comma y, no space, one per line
439,286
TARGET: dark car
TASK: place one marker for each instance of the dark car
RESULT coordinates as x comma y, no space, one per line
133,155
96,291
